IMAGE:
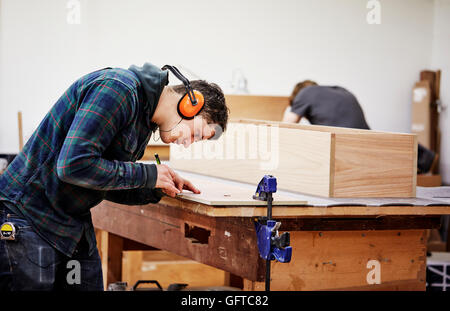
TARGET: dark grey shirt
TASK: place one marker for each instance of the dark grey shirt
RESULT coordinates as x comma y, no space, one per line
329,105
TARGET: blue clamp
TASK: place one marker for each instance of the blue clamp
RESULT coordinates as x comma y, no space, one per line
266,187
271,245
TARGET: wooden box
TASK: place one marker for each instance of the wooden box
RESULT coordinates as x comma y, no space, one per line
311,159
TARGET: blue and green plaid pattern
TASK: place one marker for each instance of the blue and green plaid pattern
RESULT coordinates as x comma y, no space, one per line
84,151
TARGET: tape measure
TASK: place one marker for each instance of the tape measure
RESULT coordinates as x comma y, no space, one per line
8,231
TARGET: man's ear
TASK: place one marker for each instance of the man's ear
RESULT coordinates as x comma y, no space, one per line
218,130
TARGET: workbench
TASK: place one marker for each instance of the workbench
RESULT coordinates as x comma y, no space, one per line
338,244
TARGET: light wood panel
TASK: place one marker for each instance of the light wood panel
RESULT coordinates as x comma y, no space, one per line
377,156
19,121
374,165
309,127
318,160
421,110
224,198
305,211
256,107
299,159
110,248
338,261
168,268
222,194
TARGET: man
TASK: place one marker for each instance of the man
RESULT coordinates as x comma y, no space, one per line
85,151
335,106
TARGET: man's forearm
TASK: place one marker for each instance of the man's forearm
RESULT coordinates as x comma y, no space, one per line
102,174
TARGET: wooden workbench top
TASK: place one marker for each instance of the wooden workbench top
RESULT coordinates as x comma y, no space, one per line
221,198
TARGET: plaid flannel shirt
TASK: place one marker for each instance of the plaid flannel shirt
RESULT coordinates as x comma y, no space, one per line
84,151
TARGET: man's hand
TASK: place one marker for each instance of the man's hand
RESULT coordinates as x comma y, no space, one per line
171,183
182,183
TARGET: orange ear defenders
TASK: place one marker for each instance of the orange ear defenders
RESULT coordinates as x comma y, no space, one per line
192,102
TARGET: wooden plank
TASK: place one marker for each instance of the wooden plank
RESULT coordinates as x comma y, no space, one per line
360,223
408,285
100,236
299,159
168,268
379,165
110,250
224,194
339,261
130,245
310,127
374,155
303,211
330,162
222,243
19,123
421,112
433,78
256,106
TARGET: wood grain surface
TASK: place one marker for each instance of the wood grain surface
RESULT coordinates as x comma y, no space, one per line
317,160
223,194
340,261
256,106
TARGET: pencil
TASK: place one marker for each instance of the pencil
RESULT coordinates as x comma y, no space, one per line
158,161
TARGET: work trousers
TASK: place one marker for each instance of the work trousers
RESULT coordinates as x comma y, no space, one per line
30,263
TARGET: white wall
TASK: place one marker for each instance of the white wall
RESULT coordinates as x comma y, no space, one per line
441,60
275,44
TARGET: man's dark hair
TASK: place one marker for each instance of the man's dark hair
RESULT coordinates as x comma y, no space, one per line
298,87
214,110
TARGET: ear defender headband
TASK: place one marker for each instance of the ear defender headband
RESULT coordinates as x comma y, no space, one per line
192,102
